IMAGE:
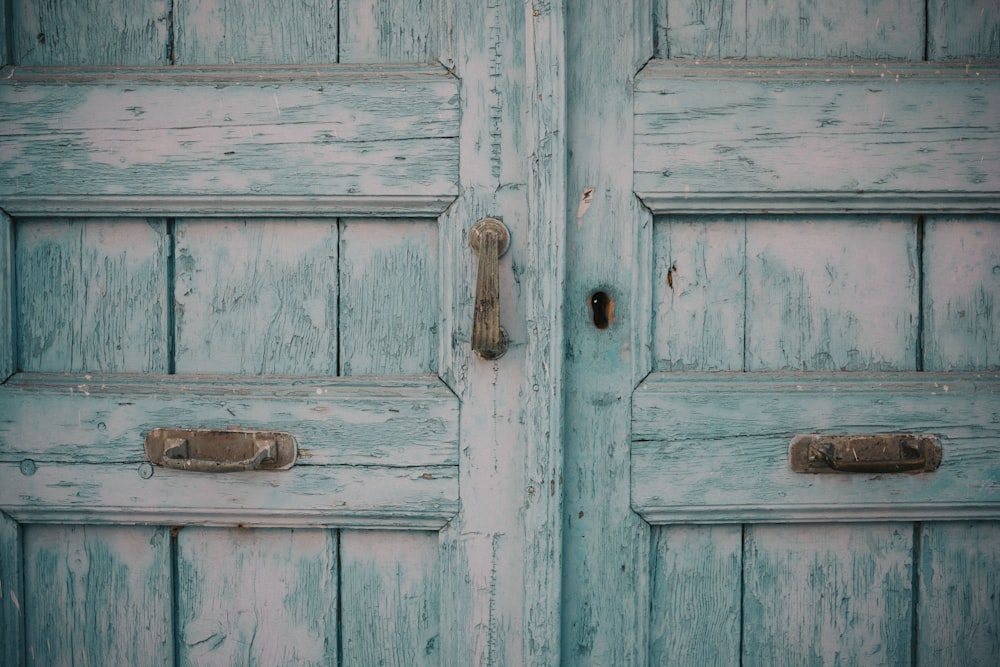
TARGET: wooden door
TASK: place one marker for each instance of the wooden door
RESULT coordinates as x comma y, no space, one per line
241,216
812,246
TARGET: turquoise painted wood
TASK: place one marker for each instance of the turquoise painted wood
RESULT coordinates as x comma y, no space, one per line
103,592
273,601
731,222
297,239
312,135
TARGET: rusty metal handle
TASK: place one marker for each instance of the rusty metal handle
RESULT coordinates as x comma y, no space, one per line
489,239
865,453
202,450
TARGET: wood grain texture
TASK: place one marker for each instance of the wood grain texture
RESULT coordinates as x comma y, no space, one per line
706,137
390,601
11,592
700,30
8,271
224,32
423,497
256,297
369,455
378,31
102,419
828,595
609,238
93,32
961,281
696,576
699,293
499,555
266,597
854,30
963,29
832,295
714,448
958,605
98,595
92,295
277,132
389,285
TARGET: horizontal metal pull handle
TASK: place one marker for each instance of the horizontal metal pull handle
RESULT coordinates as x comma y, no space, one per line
877,453
489,239
199,450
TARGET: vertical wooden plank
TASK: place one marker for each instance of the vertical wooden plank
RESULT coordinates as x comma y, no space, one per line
98,595
609,239
851,29
8,342
380,31
263,597
695,594
388,297
500,555
963,29
834,294
90,32
390,598
958,612
828,594
92,295
961,294
256,296
11,593
699,293
257,32
701,29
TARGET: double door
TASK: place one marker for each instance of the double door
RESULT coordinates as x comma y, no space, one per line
246,218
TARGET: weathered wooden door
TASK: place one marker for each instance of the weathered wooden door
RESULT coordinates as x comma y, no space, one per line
812,246
782,219
255,216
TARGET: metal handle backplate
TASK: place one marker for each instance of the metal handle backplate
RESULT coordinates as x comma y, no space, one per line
489,239
203,450
876,453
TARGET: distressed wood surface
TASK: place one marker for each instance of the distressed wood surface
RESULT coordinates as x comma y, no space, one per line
857,29
699,293
961,282
391,31
419,497
702,30
92,295
498,567
609,240
98,595
390,601
695,593
715,448
273,603
832,295
389,313
256,297
91,32
221,32
103,419
321,132
828,595
8,272
963,29
958,605
11,592
748,136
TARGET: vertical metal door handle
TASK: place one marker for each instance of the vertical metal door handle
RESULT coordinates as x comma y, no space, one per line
489,239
